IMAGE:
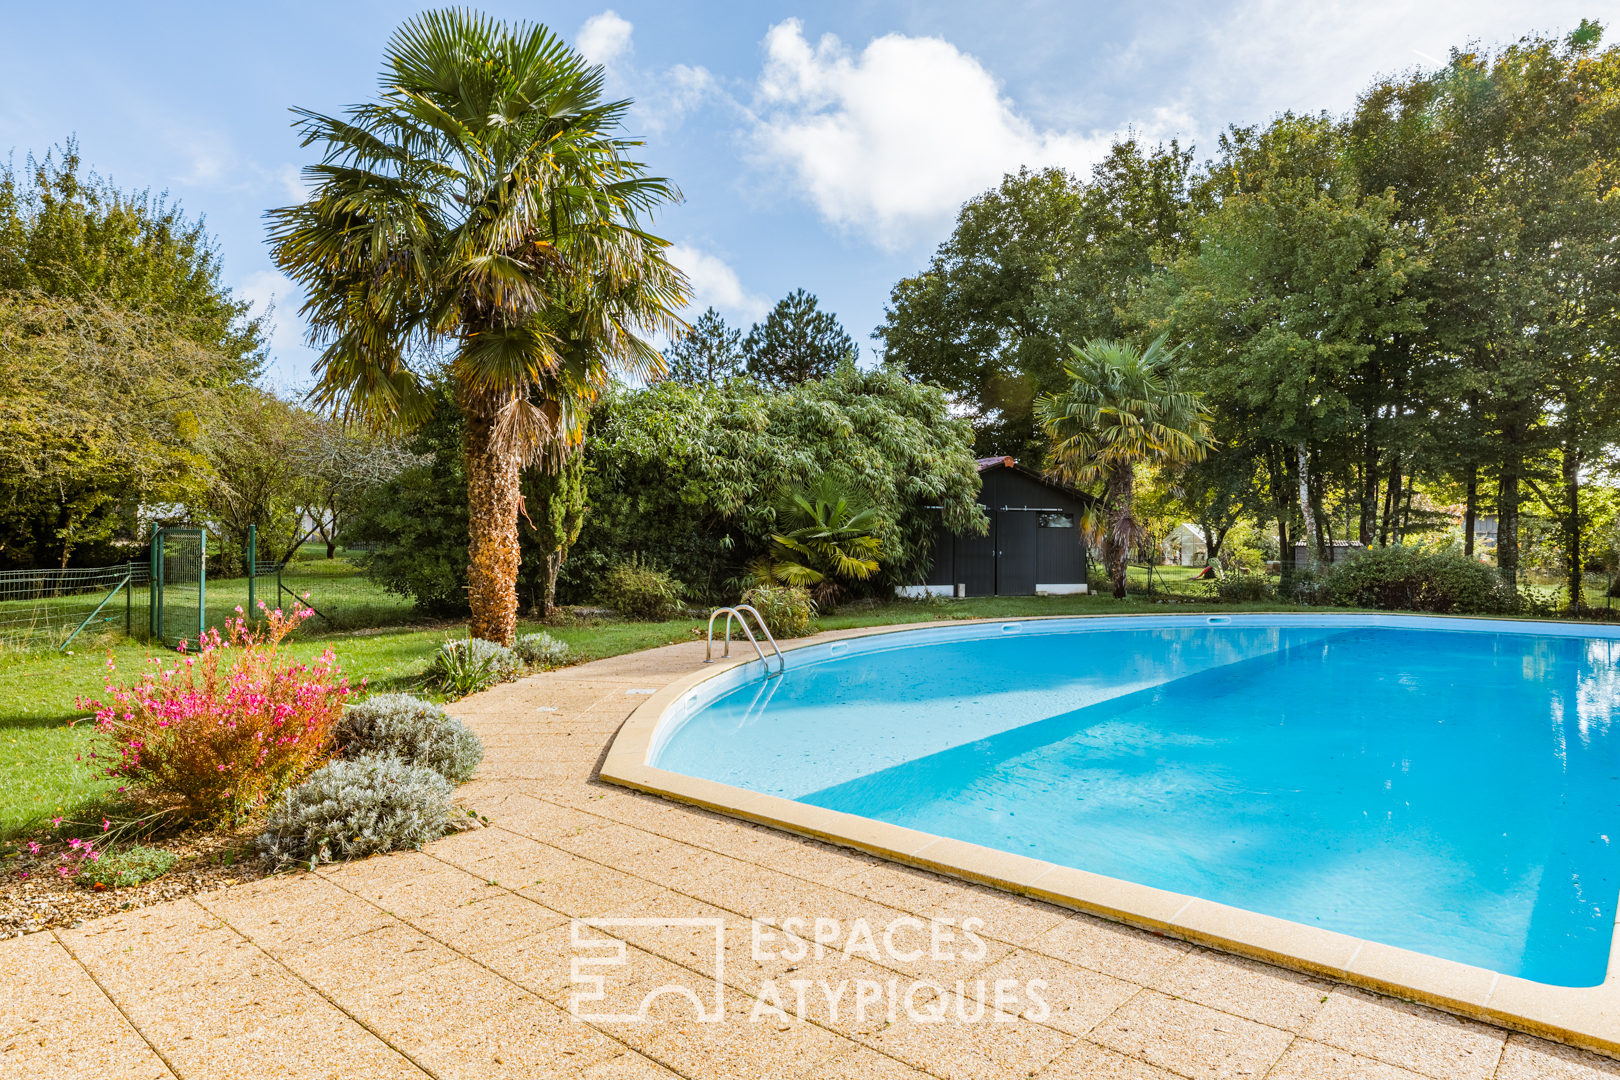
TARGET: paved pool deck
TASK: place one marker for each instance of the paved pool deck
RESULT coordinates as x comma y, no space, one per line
463,961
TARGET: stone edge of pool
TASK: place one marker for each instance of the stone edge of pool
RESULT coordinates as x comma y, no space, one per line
1587,1017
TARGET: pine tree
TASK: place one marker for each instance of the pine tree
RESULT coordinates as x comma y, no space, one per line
796,343
710,352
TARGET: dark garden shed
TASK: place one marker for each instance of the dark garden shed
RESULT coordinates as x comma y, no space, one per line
1034,545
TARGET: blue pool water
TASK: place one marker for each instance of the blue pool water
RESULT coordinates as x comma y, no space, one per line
1452,790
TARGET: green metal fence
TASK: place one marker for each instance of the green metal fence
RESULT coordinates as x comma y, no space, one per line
53,608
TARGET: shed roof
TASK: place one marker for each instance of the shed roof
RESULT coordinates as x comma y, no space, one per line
987,463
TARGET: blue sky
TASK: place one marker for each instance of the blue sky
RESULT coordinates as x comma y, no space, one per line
820,146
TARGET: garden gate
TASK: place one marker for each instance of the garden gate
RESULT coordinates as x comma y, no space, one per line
179,585
257,569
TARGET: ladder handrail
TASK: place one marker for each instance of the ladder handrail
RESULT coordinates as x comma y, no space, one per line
729,614
708,651
737,613
760,619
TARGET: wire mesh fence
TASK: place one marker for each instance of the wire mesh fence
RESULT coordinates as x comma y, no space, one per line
194,588
46,608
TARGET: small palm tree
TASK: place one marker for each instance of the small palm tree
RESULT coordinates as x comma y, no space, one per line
481,219
1124,407
828,537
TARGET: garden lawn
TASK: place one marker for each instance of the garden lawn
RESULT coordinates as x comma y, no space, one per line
45,737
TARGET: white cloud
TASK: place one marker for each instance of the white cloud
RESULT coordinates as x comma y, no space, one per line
892,141
206,161
662,100
267,289
715,284
666,99
605,37
291,179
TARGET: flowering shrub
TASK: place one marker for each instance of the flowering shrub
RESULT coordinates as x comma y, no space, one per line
229,727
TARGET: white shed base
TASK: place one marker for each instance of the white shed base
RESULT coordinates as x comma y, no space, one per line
917,592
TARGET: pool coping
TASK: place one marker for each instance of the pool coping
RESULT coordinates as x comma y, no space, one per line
1587,1017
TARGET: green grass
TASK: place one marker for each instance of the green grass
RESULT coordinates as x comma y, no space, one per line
45,737
345,598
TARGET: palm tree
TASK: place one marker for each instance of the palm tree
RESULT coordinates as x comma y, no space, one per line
828,536
480,219
1124,406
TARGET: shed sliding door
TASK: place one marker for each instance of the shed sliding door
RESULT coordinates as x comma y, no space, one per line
1015,553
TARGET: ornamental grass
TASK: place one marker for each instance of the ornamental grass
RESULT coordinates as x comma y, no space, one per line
228,727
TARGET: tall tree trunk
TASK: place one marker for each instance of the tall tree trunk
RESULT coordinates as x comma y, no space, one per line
1392,502
1572,525
1312,545
1369,492
1319,500
1472,509
554,563
1406,514
1277,465
1507,515
1121,525
492,505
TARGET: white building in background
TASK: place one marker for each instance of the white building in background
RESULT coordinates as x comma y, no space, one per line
1184,546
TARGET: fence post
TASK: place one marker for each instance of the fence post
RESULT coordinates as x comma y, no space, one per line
202,585
253,569
155,586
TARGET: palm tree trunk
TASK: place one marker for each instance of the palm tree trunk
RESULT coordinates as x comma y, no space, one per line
492,512
1121,525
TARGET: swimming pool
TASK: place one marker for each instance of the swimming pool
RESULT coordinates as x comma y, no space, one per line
1450,787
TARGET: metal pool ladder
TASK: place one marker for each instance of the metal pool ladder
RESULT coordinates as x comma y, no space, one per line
737,613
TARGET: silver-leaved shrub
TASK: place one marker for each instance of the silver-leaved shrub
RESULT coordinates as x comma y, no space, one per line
415,731
541,650
349,809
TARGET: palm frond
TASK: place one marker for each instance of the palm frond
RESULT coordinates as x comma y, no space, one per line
483,201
